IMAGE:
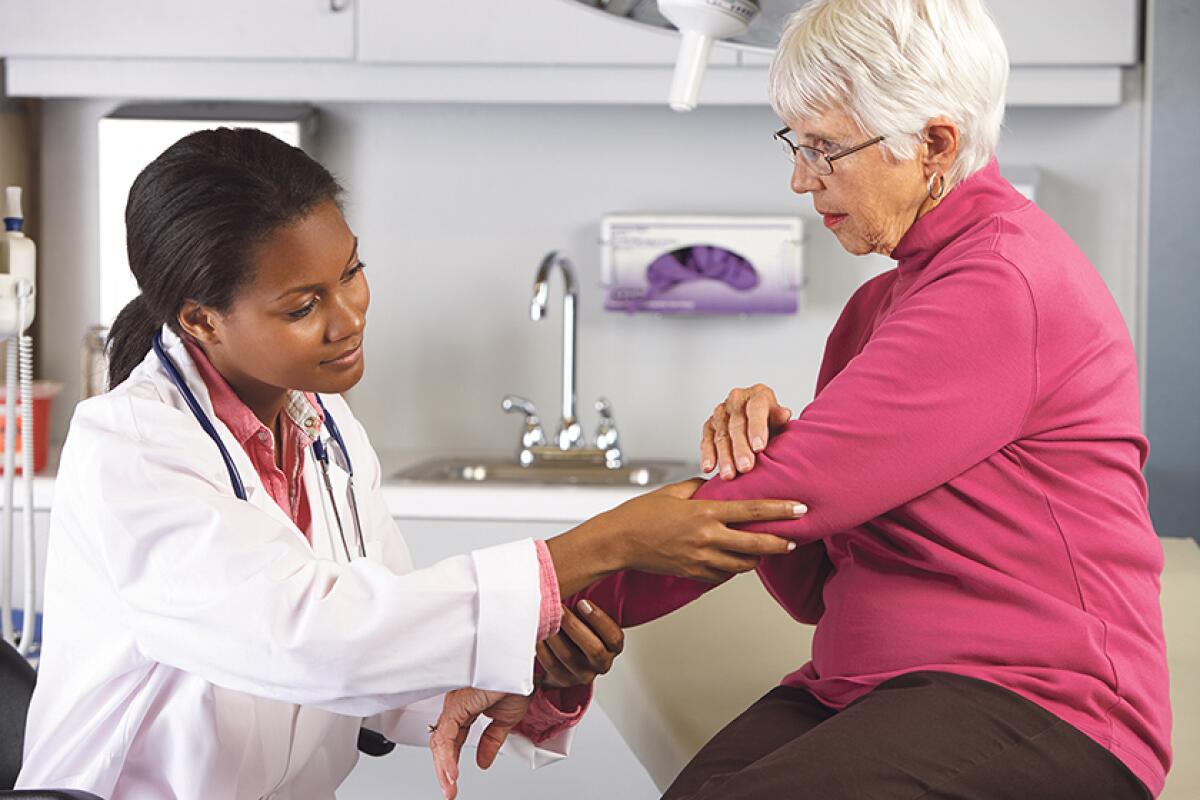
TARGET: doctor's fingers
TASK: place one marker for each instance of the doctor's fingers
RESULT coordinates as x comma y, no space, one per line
579,668
724,564
746,543
567,664
558,675
735,511
594,617
592,644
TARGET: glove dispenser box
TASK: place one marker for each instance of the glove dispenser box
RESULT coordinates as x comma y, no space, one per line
673,264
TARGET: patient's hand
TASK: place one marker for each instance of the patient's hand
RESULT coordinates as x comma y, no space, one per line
740,427
585,647
459,712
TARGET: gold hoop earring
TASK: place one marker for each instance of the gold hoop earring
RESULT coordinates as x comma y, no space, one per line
941,179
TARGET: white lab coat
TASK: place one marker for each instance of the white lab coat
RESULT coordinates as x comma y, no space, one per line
197,646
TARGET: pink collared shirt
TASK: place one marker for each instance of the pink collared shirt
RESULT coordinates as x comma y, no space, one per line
551,710
300,424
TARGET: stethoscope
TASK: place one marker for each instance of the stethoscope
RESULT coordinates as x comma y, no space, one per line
320,450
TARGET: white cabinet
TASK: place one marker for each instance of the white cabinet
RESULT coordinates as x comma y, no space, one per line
1070,32
1060,33
1065,52
226,29
536,32
431,540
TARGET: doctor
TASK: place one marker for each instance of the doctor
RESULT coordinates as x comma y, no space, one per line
224,604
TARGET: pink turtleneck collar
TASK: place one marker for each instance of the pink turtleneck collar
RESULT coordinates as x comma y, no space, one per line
979,197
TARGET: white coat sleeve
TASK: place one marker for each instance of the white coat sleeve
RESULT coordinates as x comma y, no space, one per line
218,587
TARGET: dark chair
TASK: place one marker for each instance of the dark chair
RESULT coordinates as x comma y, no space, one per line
16,688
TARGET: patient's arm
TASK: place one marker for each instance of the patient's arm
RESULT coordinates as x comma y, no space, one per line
738,429
633,598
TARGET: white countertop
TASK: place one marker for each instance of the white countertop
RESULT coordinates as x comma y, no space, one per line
421,500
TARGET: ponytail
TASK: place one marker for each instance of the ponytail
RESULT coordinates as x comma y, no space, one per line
130,338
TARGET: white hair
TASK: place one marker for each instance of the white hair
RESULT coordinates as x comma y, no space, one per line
892,65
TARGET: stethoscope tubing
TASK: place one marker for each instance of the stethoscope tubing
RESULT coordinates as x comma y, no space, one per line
320,450
173,373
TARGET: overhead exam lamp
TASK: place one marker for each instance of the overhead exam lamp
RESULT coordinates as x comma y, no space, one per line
699,22
751,25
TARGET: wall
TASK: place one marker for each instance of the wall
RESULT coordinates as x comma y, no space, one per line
455,206
16,148
1172,325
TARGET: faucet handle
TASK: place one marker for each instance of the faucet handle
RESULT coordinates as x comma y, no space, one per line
532,435
513,403
607,438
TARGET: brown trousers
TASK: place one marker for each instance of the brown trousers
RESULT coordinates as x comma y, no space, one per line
924,735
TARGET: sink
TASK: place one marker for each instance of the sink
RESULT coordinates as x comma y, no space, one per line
483,470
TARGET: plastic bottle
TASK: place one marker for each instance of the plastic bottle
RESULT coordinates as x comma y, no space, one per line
18,265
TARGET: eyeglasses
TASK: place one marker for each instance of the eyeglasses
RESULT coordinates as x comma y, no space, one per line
819,163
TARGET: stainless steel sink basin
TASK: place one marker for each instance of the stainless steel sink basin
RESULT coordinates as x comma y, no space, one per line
465,470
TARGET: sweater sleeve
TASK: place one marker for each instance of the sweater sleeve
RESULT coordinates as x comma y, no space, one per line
634,598
945,381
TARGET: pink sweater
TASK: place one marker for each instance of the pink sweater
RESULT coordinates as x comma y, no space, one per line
972,467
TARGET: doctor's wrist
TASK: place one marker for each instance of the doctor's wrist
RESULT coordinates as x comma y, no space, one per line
587,553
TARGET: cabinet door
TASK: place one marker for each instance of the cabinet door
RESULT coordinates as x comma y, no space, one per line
431,540
263,29
510,32
1058,33
1070,32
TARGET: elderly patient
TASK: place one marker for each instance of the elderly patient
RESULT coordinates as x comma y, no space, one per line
977,557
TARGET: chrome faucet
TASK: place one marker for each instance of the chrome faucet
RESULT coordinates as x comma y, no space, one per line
570,434
569,448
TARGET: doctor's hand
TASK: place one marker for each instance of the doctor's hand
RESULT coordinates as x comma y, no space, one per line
667,533
585,647
459,712
740,427
664,532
